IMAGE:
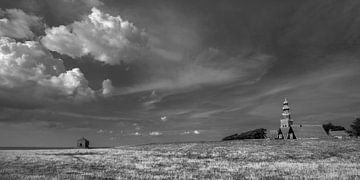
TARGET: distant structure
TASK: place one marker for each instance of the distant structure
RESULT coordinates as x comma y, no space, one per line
289,130
286,121
339,134
83,143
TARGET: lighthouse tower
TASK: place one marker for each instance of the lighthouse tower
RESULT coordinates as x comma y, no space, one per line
286,121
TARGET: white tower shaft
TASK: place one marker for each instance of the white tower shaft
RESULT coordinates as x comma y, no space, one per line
286,121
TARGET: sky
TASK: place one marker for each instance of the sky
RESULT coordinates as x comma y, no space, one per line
122,72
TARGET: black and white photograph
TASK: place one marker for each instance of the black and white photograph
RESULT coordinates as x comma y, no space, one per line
179,89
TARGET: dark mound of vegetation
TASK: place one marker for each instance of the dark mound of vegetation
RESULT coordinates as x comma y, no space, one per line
253,134
329,126
355,126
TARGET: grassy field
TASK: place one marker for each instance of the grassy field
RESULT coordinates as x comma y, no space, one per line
251,159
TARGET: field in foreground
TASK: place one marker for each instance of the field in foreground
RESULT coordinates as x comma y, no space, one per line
251,159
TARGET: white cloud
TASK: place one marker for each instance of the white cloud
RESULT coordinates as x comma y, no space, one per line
190,132
100,131
70,83
29,68
109,39
136,134
163,118
186,132
16,23
155,133
107,87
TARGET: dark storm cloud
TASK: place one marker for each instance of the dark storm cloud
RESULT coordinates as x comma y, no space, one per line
55,12
214,67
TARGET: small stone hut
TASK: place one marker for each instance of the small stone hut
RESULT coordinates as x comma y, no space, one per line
83,143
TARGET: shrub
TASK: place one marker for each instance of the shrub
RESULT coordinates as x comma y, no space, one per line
355,126
253,134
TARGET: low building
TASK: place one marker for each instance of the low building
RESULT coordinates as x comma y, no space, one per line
83,143
339,134
296,131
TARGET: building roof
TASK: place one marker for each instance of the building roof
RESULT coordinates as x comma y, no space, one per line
309,131
82,139
305,131
338,133
272,134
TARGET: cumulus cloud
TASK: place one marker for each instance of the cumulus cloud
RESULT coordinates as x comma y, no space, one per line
71,83
107,38
15,23
107,87
30,70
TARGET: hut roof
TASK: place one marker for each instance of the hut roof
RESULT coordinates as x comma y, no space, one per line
305,131
82,139
338,133
309,131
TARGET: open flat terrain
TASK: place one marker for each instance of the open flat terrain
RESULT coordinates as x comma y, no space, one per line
251,159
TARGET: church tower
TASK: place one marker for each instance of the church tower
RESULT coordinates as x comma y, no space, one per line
286,121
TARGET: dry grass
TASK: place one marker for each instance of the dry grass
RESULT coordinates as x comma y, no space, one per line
252,159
